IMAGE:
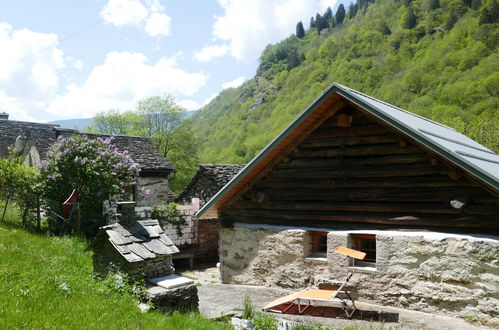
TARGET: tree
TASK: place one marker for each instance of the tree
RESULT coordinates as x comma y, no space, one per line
114,122
18,184
489,12
300,32
385,29
95,168
164,122
351,10
328,14
312,22
340,14
409,19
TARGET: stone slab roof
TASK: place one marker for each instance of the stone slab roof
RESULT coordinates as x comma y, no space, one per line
208,180
143,240
43,135
141,149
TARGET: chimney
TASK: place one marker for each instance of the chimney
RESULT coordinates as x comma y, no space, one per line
126,213
4,116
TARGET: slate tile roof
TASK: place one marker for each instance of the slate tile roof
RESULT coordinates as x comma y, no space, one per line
208,180
143,240
43,134
141,149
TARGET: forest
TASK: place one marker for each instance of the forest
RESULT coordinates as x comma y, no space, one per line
435,58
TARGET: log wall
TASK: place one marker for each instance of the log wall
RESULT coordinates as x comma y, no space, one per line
354,170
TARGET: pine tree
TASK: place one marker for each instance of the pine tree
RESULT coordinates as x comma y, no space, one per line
300,32
312,22
351,10
340,15
328,15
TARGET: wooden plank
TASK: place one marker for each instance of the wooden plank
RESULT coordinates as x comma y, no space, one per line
351,253
351,141
228,221
362,130
433,181
360,172
356,161
392,219
380,195
355,151
363,207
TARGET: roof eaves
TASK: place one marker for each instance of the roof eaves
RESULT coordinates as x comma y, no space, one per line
461,162
280,137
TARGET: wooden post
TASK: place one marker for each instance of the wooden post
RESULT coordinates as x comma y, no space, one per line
5,208
38,214
77,217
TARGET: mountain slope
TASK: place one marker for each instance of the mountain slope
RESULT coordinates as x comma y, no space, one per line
443,65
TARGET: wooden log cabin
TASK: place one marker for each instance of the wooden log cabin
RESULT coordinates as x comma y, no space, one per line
421,199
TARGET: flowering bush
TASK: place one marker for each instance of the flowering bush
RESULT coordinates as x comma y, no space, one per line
94,167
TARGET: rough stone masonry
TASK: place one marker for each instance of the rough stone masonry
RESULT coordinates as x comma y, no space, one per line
432,272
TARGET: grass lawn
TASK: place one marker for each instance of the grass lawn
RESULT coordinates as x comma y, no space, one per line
46,282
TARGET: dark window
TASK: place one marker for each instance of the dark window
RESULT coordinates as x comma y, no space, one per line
365,243
318,244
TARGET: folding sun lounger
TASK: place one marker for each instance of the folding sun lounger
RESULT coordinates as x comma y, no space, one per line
309,296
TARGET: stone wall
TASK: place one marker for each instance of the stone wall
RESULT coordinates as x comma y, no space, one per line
159,191
107,259
432,272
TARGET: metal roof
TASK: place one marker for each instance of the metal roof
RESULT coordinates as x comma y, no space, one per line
472,157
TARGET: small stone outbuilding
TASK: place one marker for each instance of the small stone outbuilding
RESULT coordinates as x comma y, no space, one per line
141,250
207,181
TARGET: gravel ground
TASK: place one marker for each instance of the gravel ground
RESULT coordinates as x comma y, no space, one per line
216,299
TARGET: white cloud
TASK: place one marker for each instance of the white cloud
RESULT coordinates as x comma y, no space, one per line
148,15
189,104
30,63
122,80
78,65
193,105
249,26
233,83
209,52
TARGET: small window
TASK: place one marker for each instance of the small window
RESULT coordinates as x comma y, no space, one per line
365,243
318,244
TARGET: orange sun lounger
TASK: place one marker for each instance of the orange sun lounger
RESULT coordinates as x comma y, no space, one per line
310,295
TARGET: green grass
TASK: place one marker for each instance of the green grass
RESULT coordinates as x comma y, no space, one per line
46,283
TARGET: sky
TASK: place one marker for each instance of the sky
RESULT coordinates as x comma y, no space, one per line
64,59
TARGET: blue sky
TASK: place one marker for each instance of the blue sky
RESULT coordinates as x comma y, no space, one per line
73,59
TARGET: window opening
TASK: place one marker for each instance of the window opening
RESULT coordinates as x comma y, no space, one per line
365,243
318,244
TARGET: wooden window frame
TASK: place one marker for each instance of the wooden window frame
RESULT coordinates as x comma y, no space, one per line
364,243
318,244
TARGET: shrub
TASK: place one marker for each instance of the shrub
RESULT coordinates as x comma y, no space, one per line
94,168
169,213
18,184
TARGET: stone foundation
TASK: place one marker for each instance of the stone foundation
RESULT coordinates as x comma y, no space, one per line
184,298
431,272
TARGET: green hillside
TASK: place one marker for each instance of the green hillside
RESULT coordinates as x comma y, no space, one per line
46,283
437,58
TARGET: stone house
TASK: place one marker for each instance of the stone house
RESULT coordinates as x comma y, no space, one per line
39,137
207,181
419,198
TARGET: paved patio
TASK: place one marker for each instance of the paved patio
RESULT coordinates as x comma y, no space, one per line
216,299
